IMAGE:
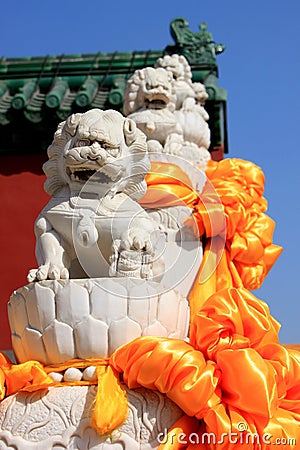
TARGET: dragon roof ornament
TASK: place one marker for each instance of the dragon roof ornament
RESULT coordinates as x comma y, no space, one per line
38,92
198,48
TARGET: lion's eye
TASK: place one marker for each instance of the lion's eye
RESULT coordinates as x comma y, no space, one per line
83,142
113,152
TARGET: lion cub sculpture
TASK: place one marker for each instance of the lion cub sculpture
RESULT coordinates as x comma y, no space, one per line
93,225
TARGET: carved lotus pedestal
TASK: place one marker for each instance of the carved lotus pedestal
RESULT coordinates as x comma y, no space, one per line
55,321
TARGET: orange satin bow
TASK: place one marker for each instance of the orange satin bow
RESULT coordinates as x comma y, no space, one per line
229,214
233,376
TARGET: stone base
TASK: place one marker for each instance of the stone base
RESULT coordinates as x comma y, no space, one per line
54,321
60,418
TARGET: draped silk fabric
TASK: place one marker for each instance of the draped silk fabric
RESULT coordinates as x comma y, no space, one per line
233,373
237,386
229,213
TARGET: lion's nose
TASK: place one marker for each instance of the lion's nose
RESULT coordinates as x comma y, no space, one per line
97,153
101,156
95,146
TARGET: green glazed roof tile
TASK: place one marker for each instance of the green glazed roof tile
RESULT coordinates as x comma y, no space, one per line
45,89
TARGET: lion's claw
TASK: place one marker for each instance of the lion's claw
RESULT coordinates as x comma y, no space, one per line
136,239
141,244
31,275
48,272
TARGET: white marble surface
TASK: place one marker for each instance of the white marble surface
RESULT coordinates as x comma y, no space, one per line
60,418
53,321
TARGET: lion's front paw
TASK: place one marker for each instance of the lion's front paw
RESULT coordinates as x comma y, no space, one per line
154,146
173,148
174,144
136,239
48,272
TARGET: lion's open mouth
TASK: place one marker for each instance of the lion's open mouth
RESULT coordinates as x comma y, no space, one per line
83,175
155,104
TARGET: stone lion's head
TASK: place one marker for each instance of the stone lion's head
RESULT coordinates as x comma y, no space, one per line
101,148
182,75
200,93
149,88
178,65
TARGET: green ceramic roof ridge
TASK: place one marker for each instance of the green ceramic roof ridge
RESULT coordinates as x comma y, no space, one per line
199,49
62,64
43,90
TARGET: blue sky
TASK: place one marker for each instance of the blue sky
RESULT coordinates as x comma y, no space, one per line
260,70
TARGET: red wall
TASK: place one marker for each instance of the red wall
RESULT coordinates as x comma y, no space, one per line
22,197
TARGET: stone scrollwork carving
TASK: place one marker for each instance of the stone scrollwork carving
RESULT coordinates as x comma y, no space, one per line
61,419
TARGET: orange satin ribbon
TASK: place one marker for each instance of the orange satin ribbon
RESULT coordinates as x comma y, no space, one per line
232,330
229,214
232,374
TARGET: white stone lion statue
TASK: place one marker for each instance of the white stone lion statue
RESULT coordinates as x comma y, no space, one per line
168,108
150,101
182,75
95,173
